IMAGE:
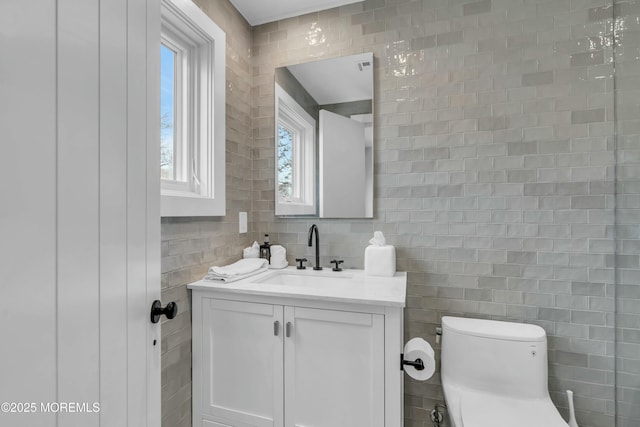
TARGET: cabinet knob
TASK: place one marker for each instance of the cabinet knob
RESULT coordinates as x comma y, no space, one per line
276,328
288,328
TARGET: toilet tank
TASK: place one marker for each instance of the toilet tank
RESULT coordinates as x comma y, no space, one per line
496,357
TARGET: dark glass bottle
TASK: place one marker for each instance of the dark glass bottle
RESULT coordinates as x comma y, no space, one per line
265,249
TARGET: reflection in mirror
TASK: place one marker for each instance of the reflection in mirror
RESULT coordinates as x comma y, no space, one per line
295,157
324,123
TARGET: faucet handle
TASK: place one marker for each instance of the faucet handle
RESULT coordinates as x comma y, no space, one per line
301,266
337,262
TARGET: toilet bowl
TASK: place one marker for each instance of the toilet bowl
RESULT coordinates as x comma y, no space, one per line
494,374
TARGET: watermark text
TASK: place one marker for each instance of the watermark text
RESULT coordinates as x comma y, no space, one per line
50,407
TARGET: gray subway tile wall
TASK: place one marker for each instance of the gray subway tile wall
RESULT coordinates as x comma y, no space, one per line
494,170
627,215
191,245
497,177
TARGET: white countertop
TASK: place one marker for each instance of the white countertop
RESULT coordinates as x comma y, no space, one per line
351,286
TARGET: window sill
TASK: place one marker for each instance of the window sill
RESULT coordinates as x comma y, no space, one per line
293,208
181,205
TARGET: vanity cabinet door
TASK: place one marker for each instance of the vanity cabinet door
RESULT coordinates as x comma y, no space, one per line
241,363
334,368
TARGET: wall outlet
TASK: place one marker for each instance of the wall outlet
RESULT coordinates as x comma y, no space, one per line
242,221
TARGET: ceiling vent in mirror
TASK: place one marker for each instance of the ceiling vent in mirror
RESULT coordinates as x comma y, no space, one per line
363,65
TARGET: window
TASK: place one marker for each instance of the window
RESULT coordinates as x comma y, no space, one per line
192,111
295,157
286,138
171,147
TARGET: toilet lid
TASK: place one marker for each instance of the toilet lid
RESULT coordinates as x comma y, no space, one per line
487,410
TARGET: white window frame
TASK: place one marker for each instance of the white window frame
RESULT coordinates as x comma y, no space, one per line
201,121
296,118
182,112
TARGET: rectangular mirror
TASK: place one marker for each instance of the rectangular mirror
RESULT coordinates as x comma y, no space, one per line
324,138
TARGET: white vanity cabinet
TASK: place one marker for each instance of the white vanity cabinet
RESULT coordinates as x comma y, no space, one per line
334,368
279,359
240,363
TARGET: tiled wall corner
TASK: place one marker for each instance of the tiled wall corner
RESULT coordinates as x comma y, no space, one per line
627,262
191,245
494,169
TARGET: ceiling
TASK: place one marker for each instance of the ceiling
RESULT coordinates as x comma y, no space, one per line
337,80
258,12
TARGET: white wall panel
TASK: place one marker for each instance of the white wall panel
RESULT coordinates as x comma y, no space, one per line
80,219
28,207
78,207
113,212
143,199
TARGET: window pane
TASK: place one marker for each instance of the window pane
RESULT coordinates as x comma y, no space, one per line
285,163
167,113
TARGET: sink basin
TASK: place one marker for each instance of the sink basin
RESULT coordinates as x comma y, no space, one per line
287,278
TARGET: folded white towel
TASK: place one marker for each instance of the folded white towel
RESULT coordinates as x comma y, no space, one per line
278,263
229,279
252,251
244,266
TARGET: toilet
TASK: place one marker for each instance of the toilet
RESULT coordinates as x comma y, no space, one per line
494,374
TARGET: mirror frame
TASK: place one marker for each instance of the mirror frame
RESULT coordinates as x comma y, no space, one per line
308,202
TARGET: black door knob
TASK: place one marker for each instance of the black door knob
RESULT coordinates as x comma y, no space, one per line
170,310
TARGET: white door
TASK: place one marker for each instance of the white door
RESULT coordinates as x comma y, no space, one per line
79,222
342,166
241,364
334,368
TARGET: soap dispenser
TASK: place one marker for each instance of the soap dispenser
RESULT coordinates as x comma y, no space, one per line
265,249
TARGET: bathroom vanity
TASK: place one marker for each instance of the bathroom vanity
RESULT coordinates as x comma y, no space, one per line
298,348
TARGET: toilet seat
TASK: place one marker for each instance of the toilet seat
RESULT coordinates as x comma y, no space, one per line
489,410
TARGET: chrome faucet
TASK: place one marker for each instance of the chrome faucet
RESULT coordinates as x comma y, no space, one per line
314,230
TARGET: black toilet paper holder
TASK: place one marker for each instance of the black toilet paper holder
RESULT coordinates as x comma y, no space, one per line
418,363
